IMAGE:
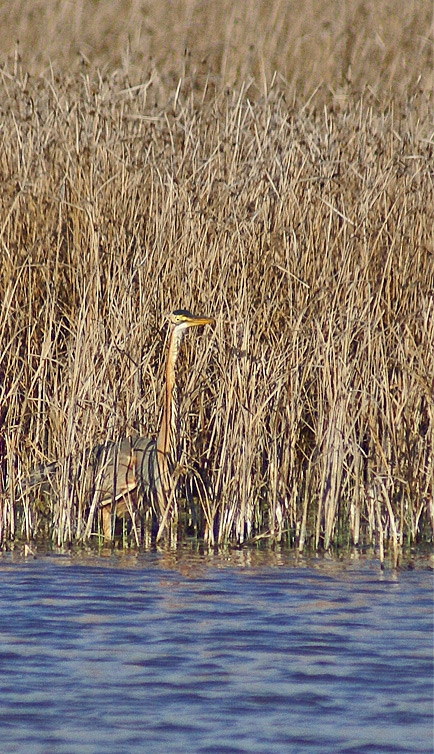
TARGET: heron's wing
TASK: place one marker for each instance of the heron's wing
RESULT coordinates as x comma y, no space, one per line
145,452
113,471
109,471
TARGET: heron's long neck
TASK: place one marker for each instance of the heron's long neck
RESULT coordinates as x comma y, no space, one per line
167,435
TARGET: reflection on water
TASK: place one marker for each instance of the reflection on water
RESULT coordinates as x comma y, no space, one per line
160,652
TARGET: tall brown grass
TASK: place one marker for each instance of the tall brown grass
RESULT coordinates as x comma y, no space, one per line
263,164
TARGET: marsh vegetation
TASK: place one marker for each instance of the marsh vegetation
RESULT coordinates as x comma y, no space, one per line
268,166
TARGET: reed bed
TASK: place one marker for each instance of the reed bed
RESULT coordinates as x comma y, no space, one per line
268,166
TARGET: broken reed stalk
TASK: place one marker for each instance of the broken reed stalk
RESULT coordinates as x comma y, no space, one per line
298,214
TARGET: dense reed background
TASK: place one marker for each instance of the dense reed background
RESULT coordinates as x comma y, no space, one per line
266,163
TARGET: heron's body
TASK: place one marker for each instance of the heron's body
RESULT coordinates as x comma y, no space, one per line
122,473
117,474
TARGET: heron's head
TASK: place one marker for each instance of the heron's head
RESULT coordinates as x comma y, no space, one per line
181,320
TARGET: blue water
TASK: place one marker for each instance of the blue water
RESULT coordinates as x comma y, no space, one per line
168,653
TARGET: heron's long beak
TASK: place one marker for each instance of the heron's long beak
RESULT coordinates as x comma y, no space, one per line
196,321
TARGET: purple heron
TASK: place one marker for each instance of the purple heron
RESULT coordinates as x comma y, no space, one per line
118,473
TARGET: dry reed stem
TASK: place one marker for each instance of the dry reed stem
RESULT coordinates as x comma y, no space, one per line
281,182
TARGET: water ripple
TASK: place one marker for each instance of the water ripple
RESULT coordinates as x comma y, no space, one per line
98,657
